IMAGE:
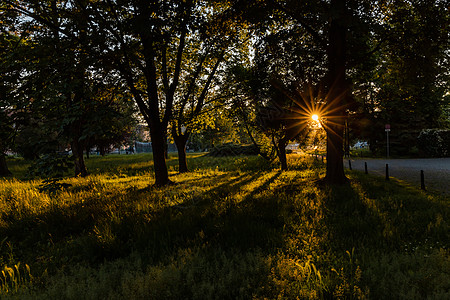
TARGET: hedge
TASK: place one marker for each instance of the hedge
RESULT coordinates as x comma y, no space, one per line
434,142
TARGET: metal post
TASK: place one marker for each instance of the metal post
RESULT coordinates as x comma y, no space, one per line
387,171
422,180
387,137
365,167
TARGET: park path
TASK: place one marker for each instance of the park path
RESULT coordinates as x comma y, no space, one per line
436,170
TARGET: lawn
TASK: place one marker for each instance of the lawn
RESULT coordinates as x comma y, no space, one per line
232,228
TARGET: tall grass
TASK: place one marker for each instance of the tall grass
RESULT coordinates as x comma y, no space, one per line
232,228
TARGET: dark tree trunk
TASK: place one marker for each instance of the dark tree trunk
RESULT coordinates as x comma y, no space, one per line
346,140
166,147
159,159
4,171
335,166
77,151
180,142
281,145
337,94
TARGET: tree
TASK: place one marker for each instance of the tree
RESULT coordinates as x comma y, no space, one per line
338,91
192,98
6,122
328,25
262,105
407,89
67,86
141,42
149,48
56,77
110,121
12,106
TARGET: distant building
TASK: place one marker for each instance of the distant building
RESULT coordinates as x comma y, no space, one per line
360,145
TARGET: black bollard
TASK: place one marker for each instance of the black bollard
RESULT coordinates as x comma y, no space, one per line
387,171
349,164
365,168
422,180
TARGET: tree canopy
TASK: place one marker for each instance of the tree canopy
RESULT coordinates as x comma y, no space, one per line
77,64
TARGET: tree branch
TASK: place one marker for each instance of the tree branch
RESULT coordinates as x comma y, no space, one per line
302,22
176,76
202,97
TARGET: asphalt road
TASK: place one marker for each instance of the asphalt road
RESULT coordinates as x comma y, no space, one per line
436,170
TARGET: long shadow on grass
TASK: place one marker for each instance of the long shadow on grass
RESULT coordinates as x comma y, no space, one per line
130,165
56,236
378,222
100,229
216,219
376,214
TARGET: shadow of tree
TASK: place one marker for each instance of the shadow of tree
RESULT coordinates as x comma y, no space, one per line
110,226
237,212
379,215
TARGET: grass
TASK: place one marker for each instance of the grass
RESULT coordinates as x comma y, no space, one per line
233,228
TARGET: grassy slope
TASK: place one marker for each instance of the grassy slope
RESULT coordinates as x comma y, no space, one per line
233,228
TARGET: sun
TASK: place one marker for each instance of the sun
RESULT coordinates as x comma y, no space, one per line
315,117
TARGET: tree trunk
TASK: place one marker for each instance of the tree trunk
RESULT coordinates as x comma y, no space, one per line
338,93
4,171
180,142
166,147
159,159
281,145
77,151
335,166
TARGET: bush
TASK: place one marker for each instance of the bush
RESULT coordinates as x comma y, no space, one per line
434,142
51,167
233,150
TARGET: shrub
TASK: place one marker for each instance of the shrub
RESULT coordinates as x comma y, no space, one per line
51,167
233,150
434,142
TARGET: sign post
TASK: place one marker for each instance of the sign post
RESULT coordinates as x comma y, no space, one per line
387,128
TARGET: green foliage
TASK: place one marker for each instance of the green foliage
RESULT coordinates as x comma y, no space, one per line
434,142
36,138
52,165
52,168
407,86
230,149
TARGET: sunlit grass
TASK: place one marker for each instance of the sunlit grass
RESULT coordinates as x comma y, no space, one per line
231,228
